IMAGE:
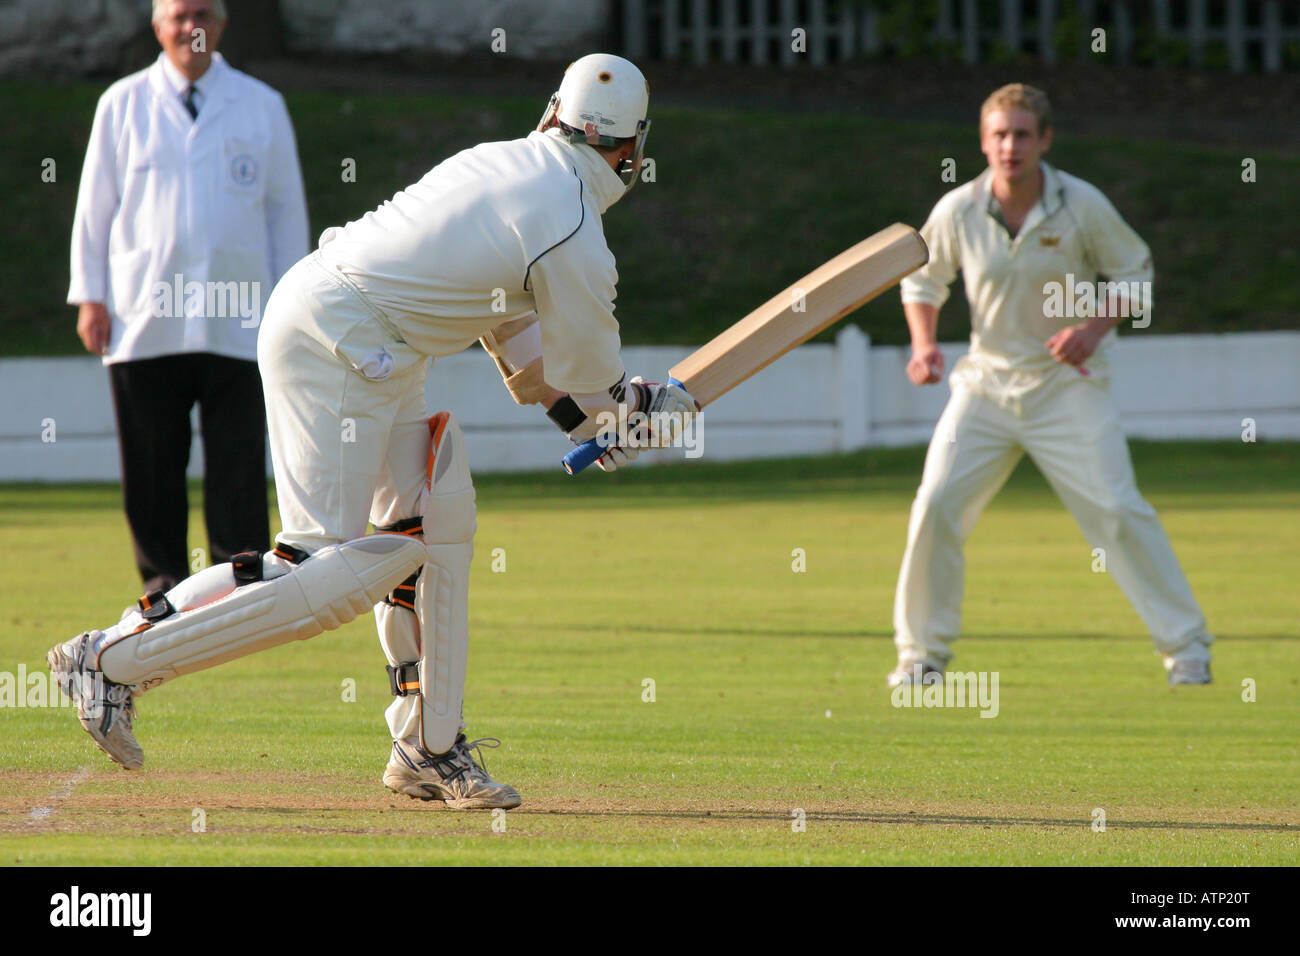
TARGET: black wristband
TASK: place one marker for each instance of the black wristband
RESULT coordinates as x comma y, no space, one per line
566,414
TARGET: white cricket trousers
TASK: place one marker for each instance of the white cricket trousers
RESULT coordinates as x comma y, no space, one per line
1070,429
347,425
346,417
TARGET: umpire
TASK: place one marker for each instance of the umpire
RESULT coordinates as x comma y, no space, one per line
190,208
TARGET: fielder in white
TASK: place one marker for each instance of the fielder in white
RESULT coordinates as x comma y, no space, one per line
1034,382
502,243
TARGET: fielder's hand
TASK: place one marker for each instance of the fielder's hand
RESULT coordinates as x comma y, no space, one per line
94,327
1074,345
925,366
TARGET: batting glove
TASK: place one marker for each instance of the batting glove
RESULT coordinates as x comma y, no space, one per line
667,407
616,458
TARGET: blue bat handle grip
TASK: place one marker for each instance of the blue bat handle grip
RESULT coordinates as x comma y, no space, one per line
582,456
590,450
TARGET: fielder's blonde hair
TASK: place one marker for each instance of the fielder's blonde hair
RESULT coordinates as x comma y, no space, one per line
1019,96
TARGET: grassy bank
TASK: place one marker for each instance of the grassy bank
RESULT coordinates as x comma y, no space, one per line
744,202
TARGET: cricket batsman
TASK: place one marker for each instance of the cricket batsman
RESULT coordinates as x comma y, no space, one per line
501,243
1034,381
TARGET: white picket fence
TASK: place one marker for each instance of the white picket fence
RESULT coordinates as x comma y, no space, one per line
1254,32
56,414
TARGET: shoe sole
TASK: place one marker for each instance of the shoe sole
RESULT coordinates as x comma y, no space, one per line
421,791
133,763
416,791
1185,680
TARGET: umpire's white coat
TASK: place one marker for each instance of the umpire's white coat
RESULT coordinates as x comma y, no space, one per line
213,200
1011,398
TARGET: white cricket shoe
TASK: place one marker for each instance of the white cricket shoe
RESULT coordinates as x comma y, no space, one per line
1187,671
104,708
914,672
454,777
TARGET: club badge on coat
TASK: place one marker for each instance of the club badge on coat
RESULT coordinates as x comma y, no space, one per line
243,170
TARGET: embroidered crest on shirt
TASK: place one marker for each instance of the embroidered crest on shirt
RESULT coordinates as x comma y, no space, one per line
1050,242
243,170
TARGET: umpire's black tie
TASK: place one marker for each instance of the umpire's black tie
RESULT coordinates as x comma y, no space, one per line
189,101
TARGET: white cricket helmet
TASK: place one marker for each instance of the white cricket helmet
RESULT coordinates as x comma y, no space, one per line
603,99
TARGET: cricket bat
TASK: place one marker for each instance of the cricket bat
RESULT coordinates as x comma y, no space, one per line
789,318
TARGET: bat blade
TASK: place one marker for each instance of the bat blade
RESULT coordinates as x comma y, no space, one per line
790,318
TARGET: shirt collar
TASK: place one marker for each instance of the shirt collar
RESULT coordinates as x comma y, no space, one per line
1051,201
1053,189
179,82
606,185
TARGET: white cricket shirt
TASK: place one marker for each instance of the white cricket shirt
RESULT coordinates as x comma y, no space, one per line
486,236
214,201
1072,235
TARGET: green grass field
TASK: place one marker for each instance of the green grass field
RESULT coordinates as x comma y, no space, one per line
769,693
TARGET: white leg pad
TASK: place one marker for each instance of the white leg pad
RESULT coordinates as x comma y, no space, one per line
399,635
326,591
442,593
437,635
210,584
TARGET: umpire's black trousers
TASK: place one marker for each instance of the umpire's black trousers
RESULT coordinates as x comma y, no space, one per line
153,399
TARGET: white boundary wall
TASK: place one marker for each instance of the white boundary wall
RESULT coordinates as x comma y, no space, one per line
817,399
